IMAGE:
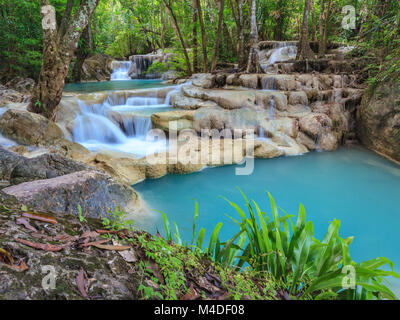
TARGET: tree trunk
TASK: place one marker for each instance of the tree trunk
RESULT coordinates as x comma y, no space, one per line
57,54
175,26
314,21
194,36
242,57
203,36
252,65
219,34
303,47
82,53
326,28
321,29
163,28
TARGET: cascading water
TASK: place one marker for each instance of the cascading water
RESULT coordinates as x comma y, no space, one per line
271,108
141,64
121,70
282,52
117,124
176,90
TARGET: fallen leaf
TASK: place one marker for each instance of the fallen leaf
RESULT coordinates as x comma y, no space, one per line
90,234
26,224
40,217
191,295
111,247
82,283
64,238
6,257
40,246
88,244
99,231
127,255
22,266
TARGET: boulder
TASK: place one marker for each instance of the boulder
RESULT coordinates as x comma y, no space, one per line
17,90
97,68
249,81
378,119
45,166
298,97
315,124
29,128
95,192
124,169
265,150
203,80
305,140
179,100
8,161
22,85
179,120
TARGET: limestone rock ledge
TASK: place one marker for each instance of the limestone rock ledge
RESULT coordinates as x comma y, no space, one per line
378,119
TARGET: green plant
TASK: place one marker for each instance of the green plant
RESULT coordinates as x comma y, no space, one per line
288,251
117,221
81,217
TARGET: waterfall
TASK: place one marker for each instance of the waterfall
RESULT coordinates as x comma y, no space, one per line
141,64
91,127
318,143
268,83
282,52
121,70
271,108
142,126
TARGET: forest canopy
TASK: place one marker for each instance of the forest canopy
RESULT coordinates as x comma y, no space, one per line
121,28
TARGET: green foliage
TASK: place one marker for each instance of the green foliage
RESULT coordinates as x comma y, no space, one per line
20,38
275,245
81,217
117,221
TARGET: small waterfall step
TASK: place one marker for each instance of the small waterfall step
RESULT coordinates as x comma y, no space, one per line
121,70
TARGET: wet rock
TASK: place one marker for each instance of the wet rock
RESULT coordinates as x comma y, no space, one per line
29,128
305,140
122,168
265,150
179,100
378,119
94,191
175,120
315,124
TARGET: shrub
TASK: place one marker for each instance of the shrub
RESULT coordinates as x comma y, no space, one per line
288,251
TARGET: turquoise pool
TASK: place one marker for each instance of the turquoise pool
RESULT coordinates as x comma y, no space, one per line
353,185
113,85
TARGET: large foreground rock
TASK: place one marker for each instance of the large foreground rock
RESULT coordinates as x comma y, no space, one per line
93,191
29,128
111,276
378,120
46,166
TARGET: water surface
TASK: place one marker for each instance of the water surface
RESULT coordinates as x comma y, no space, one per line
113,85
353,185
